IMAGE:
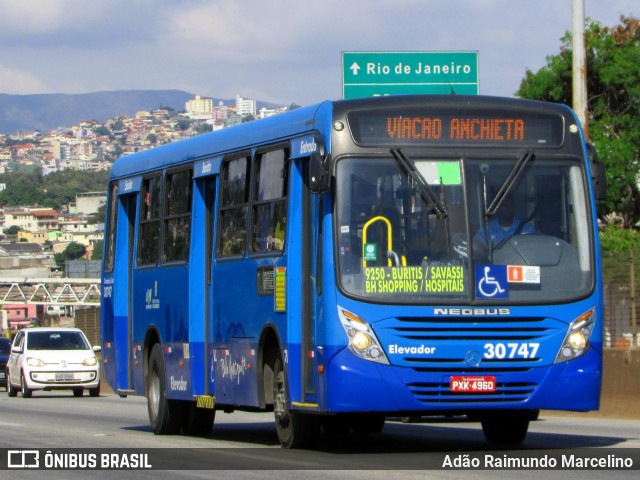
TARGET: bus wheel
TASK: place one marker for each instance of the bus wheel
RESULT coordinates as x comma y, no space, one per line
295,429
165,416
506,428
198,421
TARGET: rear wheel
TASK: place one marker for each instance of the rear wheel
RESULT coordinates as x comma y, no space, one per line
11,390
505,429
26,391
165,416
295,429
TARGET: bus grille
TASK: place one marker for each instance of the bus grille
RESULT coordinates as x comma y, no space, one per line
474,328
439,393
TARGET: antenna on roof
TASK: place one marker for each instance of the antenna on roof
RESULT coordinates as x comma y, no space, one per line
453,92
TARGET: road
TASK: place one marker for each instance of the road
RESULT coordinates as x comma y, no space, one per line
246,443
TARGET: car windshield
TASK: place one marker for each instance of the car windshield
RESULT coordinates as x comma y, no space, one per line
5,347
514,228
56,340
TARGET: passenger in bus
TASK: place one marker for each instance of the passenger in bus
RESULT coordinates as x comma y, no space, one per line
504,225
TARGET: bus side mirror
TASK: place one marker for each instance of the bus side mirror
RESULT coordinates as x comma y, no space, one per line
319,174
598,173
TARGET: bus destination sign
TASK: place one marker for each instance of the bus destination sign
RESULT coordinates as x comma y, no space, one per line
454,128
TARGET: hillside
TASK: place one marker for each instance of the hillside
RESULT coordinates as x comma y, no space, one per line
44,112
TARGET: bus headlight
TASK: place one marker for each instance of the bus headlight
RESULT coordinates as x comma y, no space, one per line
576,341
362,341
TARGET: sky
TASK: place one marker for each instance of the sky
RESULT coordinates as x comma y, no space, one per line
280,51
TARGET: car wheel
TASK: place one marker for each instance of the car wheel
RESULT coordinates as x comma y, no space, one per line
26,391
77,392
94,392
11,390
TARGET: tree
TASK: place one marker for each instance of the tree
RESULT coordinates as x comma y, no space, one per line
613,90
96,254
73,251
102,131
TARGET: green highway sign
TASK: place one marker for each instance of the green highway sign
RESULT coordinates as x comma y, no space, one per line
369,74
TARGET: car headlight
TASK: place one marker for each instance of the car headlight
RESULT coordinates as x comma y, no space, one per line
362,341
35,362
90,362
576,341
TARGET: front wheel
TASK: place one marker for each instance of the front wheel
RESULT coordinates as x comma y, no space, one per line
165,416
94,392
26,391
295,429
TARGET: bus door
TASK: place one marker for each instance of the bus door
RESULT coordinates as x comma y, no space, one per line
202,304
311,233
123,302
303,370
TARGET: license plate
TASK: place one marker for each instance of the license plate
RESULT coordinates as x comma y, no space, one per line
63,377
472,384
2,375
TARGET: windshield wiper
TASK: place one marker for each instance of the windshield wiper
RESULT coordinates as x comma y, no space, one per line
425,190
515,172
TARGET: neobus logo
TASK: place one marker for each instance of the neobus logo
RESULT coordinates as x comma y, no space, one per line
472,311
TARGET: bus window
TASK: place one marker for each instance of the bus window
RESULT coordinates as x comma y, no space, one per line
111,228
269,202
177,221
149,237
233,214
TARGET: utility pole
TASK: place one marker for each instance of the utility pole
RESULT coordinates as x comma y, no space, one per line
579,62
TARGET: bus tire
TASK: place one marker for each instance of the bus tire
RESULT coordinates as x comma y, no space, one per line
295,429
506,429
165,416
198,421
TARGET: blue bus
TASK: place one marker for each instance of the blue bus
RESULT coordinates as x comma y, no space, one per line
356,260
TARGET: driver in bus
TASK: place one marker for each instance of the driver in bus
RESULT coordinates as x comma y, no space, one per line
504,225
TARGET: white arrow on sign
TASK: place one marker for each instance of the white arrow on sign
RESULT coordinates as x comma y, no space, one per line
354,68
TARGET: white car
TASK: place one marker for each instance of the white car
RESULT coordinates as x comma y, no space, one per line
52,359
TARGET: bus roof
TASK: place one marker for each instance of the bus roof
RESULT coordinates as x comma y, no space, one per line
298,122
246,135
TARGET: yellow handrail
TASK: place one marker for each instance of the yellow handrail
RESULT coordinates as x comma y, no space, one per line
389,236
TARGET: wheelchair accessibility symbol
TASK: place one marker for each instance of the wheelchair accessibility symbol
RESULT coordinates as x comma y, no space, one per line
491,281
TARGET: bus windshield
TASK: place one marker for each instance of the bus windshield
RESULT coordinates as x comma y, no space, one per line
513,228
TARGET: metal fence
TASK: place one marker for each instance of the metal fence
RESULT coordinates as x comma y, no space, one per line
621,282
